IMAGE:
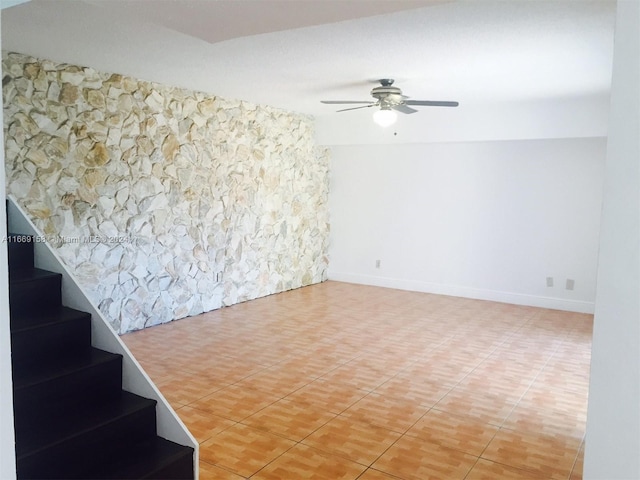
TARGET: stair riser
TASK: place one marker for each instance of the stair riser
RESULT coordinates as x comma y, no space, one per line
72,418
33,404
20,249
180,469
34,297
58,340
152,459
74,457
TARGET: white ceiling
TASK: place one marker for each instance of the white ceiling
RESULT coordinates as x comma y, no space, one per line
486,54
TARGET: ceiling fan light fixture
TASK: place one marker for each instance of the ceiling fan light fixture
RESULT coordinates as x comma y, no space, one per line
385,117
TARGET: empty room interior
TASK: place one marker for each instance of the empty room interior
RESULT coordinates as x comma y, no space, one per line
330,239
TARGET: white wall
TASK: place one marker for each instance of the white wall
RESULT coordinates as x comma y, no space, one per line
486,220
7,445
613,420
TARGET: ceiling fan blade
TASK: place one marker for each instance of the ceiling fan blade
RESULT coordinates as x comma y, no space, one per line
356,108
404,109
342,102
431,103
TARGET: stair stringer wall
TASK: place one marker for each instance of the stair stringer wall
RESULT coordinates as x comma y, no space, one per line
103,336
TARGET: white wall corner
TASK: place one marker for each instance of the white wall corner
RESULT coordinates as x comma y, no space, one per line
612,441
7,441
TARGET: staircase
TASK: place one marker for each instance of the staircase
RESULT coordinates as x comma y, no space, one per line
72,418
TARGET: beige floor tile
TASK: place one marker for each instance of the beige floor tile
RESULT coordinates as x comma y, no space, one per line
309,365
546,397
372,474
211,472
235,403
184,388
223,370
275,381
243,450
466,434
486,470
360,442
576,471
415,388
357,375
550,456
535,420
412,458
333,397
437,368
201,424
309,463
390,413
491,408
290,419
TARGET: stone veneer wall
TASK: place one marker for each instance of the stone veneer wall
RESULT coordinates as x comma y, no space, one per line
151,194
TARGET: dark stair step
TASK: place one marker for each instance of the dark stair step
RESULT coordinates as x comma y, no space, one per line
34,291
156,458
20,250
72,418
52,388
62,334
75,443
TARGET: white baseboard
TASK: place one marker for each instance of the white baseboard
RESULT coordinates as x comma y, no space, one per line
467,292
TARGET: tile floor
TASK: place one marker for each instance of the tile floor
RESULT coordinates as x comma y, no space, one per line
340,381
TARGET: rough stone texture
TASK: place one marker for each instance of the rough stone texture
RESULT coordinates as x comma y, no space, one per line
150,193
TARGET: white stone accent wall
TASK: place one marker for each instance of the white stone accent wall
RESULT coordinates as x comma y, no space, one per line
165,202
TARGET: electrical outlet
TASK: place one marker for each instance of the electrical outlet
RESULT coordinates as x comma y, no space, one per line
549,281
377,263
570,283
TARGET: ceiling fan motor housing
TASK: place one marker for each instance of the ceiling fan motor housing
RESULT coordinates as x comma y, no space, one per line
387,95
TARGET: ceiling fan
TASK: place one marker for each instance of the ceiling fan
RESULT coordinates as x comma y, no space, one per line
389,98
